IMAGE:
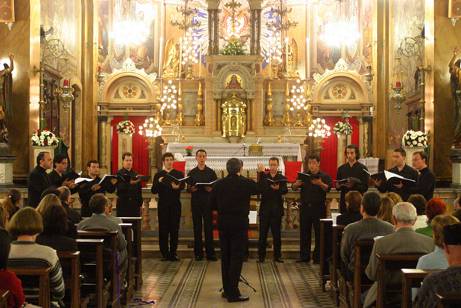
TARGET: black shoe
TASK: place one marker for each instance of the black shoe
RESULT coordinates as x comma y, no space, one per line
240,298
278,260
303,260
173,258
198,258
212,258
223,294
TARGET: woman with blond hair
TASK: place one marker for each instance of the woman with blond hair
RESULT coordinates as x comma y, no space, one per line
51,200
385,209
394,197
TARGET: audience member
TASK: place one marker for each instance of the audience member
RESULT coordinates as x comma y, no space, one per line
395,197
434,207
385,209
108,212
12,202
55,230
367,228
26,225
53,199
448,280
8,279
419,202
4,217
353,199
66,201
403,240
436,260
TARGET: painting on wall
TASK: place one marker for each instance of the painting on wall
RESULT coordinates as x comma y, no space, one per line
126,30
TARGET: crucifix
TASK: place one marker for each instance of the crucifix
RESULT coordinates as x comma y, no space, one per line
233,6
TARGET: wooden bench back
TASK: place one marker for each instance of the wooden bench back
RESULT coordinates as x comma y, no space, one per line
387,265
40,274
127,229
92,266
412,278
137,249
70,263
4,295
362,252
337,235
449,300
110,247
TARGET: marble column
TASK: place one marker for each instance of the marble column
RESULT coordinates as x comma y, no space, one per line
252,31
216,32
210,32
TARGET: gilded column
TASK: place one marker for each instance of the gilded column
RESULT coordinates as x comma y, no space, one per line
216,32
258,36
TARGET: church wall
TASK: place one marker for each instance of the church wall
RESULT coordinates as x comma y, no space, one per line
22,41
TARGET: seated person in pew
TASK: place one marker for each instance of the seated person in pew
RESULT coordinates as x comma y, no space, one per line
434,207
12,202
54,230
367,228
448,280
66,201
385,209
8,279
436,260
420,204
26,225
53,199
353,200
99,220
403,241
108,212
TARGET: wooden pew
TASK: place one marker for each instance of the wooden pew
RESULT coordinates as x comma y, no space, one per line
92,265
137,249
388,264
70,263
127,230
412,278
335,269
449,300
4,295
326,225
360,282
42,274
110,245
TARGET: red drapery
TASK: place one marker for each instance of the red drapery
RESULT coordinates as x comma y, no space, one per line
140,144
328,156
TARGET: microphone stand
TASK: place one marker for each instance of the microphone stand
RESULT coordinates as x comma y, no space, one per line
243,280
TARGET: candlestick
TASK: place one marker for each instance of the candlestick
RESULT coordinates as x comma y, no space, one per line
308,60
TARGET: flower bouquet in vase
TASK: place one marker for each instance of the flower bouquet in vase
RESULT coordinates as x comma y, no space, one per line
189,149
125,127
414,141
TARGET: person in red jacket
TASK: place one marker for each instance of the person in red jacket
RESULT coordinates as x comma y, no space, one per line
8,279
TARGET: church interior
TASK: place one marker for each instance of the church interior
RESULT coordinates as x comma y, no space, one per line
293,81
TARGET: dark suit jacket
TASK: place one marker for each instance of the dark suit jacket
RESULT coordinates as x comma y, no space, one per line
38,181
271,200
57,242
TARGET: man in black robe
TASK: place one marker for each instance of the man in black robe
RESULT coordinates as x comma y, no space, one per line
273,186
58,176
201,210
425,184
402,188
87,189
129,189
351,176
231,197
169,206
38,180
313,197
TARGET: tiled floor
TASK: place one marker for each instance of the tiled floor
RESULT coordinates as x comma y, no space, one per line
189,283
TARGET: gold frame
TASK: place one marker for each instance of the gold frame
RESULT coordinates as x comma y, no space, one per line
454,8
6,8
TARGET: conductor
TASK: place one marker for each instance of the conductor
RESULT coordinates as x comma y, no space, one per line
231,197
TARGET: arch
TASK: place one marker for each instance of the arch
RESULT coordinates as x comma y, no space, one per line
128,87
219,84
341,87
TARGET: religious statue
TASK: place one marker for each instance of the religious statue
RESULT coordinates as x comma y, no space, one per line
6,86
233,117
234,82
3,129
455,82
292,63
171,61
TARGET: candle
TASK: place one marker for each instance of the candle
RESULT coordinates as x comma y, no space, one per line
286,53
160,56
308,60
180,56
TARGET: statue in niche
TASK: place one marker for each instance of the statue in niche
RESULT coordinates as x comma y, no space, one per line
6,86
455,82
171,62
233,117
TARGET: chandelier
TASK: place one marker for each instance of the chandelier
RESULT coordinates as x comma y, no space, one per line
344,30
169,98
299,104
150,128
319,129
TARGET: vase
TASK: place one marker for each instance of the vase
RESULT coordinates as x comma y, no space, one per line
410,151
188,153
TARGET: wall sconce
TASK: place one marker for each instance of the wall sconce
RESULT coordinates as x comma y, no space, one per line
65,94
397,96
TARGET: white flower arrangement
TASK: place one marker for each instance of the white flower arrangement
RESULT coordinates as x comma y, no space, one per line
413,139
126,127
44,138
342,128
